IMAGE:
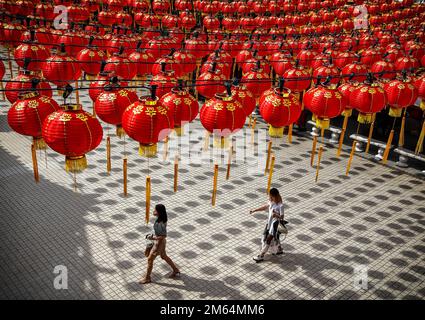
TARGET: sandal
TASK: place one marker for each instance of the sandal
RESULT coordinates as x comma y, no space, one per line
258,258
145,281
174,275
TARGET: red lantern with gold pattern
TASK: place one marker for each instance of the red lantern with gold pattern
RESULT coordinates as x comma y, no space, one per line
111,104
409,64
27,114
297,79
163,81
185,107
222,116
359,69
91,59
325,71
148,121
61,69
23,82
246,98
72,132
279,109
325,103
420,85
400,94
32,50
121,66
211,82
257,81
367,99
383,69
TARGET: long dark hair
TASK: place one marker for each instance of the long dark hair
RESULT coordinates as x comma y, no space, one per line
162,213
275,194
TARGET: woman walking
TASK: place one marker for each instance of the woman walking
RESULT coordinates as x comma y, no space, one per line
275,207
158,249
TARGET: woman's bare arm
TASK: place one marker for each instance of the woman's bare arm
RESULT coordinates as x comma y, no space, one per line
259,209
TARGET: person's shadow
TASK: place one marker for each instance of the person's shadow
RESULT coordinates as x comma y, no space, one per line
208,288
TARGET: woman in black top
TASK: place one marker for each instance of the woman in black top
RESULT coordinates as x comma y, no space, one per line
160,230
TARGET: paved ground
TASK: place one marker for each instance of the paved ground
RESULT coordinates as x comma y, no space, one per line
374,218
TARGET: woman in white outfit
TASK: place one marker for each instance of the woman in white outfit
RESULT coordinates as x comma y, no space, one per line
275,208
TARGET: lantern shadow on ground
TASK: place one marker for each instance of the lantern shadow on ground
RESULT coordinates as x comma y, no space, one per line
57,220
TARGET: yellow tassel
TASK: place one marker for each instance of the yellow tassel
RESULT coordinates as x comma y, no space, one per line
419,145
422,105
179,131
401,137
290,133
39,143
319,157
347,112
353,149
120,131
221,142
75,164
322,123
90,77
364,118
395,112
275,132
148,151
313,150
388,147
148,198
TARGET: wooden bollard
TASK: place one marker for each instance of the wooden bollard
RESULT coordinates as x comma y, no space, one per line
34,163
403,124
108,155
341,137
388,147
253,124
419,144
229,162
353,149
319,157
269,181
148,198
269,151
214,194
124,172
176,172
313,150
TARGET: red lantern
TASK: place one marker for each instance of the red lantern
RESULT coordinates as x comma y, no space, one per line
23,82
170,65
111,104
245,97
406,63
185,107
400,94
383,70
367,99
298,79
164,81
91,59
359,70
31,50
346,89
325,103
257,81
61,69
142,60
27,114
344,58
187,61
148,121
72,132
279,109
327,71
120,65
420,85
222,116
211,82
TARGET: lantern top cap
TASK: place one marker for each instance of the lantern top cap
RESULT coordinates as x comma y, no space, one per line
72,107
28,95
